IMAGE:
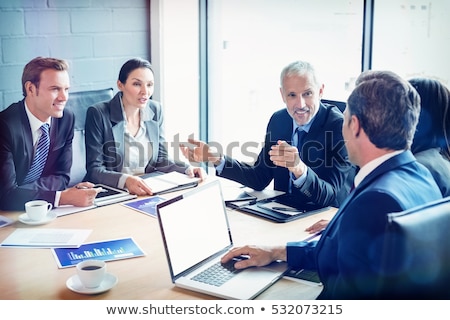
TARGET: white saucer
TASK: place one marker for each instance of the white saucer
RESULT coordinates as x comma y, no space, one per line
74,284
25,219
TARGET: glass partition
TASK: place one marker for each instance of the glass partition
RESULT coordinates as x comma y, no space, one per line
250,41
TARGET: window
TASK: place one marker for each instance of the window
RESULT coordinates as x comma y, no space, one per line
175,52
416,41
250,41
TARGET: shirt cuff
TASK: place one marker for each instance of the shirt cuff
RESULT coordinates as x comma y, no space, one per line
122,180
189,168
57,198
298,183
220,166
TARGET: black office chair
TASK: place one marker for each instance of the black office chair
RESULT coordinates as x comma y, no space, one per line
340,104
417,251
79,102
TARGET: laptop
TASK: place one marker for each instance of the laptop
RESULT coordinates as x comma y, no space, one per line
196,234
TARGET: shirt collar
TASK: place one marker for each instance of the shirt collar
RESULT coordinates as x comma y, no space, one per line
305,127
372,165
35,123
143,113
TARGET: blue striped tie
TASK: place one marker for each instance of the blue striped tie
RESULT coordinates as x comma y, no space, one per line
40,156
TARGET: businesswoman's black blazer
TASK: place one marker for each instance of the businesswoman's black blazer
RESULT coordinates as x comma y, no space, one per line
105,147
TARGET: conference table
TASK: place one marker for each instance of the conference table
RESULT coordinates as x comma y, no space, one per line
32,273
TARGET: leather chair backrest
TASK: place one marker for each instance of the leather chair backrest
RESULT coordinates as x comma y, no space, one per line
417,251
340,104
79,102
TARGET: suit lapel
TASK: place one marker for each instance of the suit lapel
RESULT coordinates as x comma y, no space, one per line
281,129
392,163
152,128
316,128
26,133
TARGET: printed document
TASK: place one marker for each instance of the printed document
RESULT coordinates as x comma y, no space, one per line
46,238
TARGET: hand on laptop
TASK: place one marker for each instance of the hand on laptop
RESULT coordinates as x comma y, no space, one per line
229,265
258,256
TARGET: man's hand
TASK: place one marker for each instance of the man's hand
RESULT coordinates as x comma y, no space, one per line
136,185
318,226
257,256
201,152
82,195
284,155
196,172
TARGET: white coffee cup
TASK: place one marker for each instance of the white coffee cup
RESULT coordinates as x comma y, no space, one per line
37,209
91,272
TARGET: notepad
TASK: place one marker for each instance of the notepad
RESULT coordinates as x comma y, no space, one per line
168,182
46,238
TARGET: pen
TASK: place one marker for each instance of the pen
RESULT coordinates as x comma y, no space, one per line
287,209
100,189
282,209
241,199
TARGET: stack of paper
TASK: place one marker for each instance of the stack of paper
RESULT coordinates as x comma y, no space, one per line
46,238
168,182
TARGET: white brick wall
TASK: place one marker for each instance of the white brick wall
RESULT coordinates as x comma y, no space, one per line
95,36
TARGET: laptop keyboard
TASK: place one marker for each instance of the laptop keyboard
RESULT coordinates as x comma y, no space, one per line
218,273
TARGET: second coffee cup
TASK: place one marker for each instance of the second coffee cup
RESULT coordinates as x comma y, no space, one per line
91,272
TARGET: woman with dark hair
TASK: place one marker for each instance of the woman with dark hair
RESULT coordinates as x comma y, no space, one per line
431,144
125,136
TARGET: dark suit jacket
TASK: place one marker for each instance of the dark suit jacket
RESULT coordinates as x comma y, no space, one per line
349,255
330,174
105,128
16,156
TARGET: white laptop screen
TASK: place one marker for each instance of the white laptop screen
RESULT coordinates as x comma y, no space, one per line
194,226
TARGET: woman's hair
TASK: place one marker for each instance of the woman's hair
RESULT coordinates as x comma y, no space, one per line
34,68
387,107
433,130
131,65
